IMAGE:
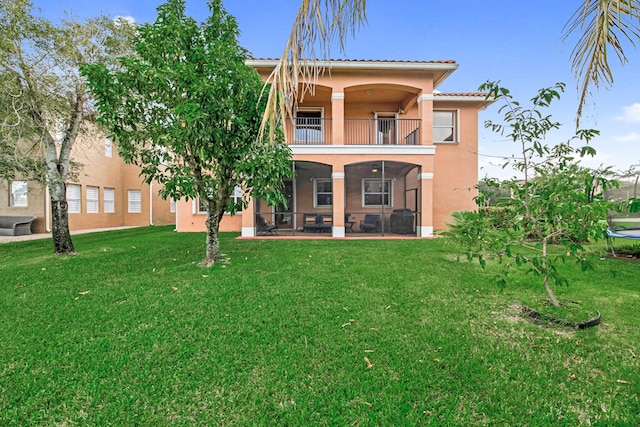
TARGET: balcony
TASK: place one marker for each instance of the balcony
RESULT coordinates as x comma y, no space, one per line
380,131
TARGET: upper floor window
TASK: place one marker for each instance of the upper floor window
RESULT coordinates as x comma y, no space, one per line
444,126
109,200
309,127
108,147
73,198
92,200
322,192
376,192
135,201
19,194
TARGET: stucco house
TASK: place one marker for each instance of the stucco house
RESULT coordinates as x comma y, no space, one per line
377,150
105,193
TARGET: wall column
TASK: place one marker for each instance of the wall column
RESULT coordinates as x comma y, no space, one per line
425,112
338,204
248,220
337,118
426,205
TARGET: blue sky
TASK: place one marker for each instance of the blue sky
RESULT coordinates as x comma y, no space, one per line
518,43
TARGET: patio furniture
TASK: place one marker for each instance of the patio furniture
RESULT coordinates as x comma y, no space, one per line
348,224
309,223
16,225
401,221
263,227
370,223
325,223
317,223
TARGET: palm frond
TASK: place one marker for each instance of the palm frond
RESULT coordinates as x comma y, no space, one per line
602,25
319,25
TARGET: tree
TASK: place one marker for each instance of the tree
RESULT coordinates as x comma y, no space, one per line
44,104
602,24
552,212
187,109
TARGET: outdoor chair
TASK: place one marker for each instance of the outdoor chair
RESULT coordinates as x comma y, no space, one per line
263,227
325,223
310,223
370,223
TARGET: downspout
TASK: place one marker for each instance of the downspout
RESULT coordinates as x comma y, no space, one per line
151,203
176,212
47,209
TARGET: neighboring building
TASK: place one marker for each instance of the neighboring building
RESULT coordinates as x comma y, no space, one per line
106,193
376,150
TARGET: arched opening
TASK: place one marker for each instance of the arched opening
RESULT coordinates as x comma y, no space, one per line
382,198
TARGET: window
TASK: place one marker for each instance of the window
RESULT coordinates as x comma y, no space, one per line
376,192
322,192
309,126
202,209
444,126
19,194
235,197
92,200
109,200
135,201
73,198
108,147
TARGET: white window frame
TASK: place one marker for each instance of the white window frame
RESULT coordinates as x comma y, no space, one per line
74,198
297,126
364,192
134,201
316,193
198,208
108,200
108,147
455,125
92,199
19,199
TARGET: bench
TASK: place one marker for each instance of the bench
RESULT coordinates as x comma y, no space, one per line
15,225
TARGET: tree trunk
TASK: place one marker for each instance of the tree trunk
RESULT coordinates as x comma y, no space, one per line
60,219
213,240
545,279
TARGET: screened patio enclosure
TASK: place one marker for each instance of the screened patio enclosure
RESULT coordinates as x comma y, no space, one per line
380,198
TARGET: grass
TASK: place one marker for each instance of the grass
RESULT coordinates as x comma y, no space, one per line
130,331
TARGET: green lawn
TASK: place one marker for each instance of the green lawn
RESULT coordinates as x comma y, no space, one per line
130,331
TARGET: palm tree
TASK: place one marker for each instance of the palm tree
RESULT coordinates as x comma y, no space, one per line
319,25
602,25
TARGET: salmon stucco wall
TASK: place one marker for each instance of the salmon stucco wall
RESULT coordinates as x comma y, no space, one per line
188,221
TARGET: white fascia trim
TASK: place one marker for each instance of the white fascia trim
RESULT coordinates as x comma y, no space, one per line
452,98
415,150
365,65
337,231
425,231
337,175
337,95
425,175
248,232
